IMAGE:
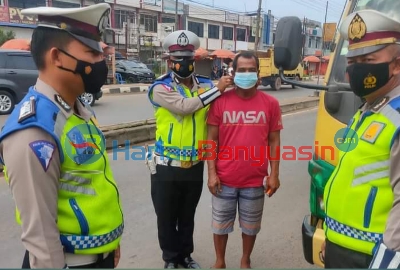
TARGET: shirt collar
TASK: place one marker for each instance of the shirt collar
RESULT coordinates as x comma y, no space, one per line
195,80
49,92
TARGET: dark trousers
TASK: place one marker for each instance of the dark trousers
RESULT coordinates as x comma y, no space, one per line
101,263
340,257
175,193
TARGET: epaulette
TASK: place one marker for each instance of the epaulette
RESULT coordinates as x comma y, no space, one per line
162,77
203,77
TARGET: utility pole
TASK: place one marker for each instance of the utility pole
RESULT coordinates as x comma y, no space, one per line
257,39
176,15
137,30
304,39
323,41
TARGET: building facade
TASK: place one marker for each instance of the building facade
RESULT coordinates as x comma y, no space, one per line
317,41
139,26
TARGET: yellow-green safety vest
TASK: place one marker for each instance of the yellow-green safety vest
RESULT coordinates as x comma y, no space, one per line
90,217
177,136
358,196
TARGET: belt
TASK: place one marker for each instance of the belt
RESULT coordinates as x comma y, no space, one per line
165,161
80,259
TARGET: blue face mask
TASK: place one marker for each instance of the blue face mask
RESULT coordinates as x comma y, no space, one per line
246,80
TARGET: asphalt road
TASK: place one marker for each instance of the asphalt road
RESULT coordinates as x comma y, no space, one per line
278,244
120,108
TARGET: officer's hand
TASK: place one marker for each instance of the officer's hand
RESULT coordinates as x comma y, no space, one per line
224,82
117,256
214,184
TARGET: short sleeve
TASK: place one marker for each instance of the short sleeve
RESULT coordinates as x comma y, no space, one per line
214,114
276,116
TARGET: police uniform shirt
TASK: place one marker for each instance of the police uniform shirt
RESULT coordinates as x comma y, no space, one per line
174,101
369,31
391,236
35,190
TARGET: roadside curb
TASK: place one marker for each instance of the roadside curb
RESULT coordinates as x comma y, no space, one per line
124,89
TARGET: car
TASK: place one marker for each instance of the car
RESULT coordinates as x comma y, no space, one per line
18,72
134,71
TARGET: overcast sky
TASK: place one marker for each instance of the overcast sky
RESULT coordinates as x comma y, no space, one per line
311,9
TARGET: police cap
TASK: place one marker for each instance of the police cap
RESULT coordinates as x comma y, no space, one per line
181,43
86,24
369,31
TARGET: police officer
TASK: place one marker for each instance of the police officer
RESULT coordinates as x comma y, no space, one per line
181,100
53,151
362,196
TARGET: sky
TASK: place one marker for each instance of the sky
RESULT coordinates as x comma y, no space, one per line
311,9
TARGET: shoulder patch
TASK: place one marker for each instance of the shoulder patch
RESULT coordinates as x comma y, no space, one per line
44,151
62,103
28,108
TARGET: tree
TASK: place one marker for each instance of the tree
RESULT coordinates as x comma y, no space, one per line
4,36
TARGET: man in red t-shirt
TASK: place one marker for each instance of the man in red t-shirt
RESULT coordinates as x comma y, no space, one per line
244,125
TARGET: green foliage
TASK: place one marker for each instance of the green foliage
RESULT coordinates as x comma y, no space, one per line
4,36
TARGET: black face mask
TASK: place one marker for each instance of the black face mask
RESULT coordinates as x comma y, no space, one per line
93,76
368,78
183,68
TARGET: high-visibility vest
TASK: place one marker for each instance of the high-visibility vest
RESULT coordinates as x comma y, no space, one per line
358,196
90,218
178,136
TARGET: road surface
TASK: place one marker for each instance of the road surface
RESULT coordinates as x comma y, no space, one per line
278,244
120,108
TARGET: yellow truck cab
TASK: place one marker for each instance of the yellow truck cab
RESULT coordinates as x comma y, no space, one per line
270,74
337,106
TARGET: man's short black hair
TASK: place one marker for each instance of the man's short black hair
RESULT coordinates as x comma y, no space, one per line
43,39
247,55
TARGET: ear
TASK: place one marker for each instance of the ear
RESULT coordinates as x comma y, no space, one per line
396,68
55,57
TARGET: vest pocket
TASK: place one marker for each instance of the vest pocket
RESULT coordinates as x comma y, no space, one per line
80,216
171,129
369,206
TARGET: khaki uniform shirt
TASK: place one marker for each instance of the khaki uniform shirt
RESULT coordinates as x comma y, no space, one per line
391,237
35,191
175,102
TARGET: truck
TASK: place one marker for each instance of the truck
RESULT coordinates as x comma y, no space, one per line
270,74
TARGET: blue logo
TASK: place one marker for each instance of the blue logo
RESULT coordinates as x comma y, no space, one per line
85,144
346,139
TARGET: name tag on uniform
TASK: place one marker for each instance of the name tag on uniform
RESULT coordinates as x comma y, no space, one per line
372,132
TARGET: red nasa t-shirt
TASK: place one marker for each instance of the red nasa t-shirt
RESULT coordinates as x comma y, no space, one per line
244,126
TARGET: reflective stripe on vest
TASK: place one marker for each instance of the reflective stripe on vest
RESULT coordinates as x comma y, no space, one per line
358,195
367,173
352,232
75,242
90,219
